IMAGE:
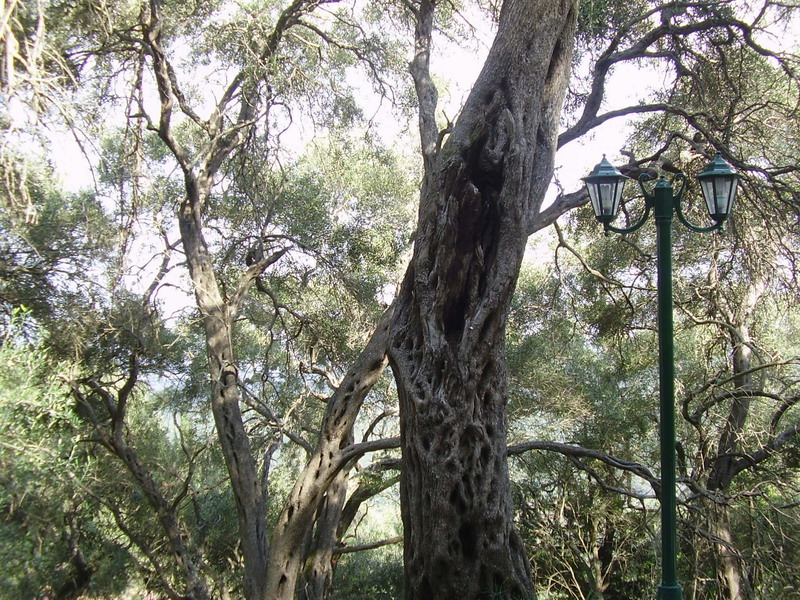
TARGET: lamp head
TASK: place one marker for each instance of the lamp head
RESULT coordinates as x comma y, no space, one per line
719,183
605,184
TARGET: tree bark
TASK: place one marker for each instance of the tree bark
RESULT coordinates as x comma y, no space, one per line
218,319
334,450
320,562
728,563
333,521
480,196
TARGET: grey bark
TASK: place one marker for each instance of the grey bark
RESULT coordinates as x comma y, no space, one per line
334,450
729,566
334,518
320,561
480,197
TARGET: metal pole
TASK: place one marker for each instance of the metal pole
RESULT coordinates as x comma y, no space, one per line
663,208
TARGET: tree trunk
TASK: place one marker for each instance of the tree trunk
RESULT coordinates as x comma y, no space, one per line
320,560
334,450
218,319
728,564
334,518
480,194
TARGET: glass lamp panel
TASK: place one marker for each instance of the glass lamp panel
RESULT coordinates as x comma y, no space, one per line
709,194
594,197
719,194
719,184
607,198
619,185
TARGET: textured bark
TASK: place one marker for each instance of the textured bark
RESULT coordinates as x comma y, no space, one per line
480,197
218,319
320,562
334,450
333,521
728,563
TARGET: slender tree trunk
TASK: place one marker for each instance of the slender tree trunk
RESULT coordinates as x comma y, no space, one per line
334,518
185,556
334,450
480,194
728,563
218,319
730,570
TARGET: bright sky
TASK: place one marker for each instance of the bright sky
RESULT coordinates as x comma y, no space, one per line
457,69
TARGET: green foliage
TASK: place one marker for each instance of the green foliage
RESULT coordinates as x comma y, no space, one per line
585,542
51,535
370,574
599,20
341,206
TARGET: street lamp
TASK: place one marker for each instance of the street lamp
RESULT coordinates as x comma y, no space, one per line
719,184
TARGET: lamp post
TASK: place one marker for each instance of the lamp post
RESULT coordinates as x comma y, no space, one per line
719,184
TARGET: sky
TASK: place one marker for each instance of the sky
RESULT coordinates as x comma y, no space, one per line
457,68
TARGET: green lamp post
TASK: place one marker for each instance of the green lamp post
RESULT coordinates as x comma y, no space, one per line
719,184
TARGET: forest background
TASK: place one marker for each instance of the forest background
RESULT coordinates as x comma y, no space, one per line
206,348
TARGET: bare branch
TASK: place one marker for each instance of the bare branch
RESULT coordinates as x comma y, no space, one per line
427,94
572,450
249,278
368,546
767,450
562,205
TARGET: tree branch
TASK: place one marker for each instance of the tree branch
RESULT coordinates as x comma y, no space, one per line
419,67
248,280
368,546
572,450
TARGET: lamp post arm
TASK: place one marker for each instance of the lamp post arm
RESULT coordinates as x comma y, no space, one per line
677,195
649,199
647,207
689,225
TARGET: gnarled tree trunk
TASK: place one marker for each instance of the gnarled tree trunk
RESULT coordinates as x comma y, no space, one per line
480,195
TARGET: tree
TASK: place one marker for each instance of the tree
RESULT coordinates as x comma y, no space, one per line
218,155
481,196
447,346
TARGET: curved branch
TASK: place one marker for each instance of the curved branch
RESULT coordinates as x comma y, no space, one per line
574,451
356,451
247,281
562,205
640,49
767,450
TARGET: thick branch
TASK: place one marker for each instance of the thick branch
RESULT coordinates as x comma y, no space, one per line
368,546
581,452
767,450
427,95
247,281
562,205
641,49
